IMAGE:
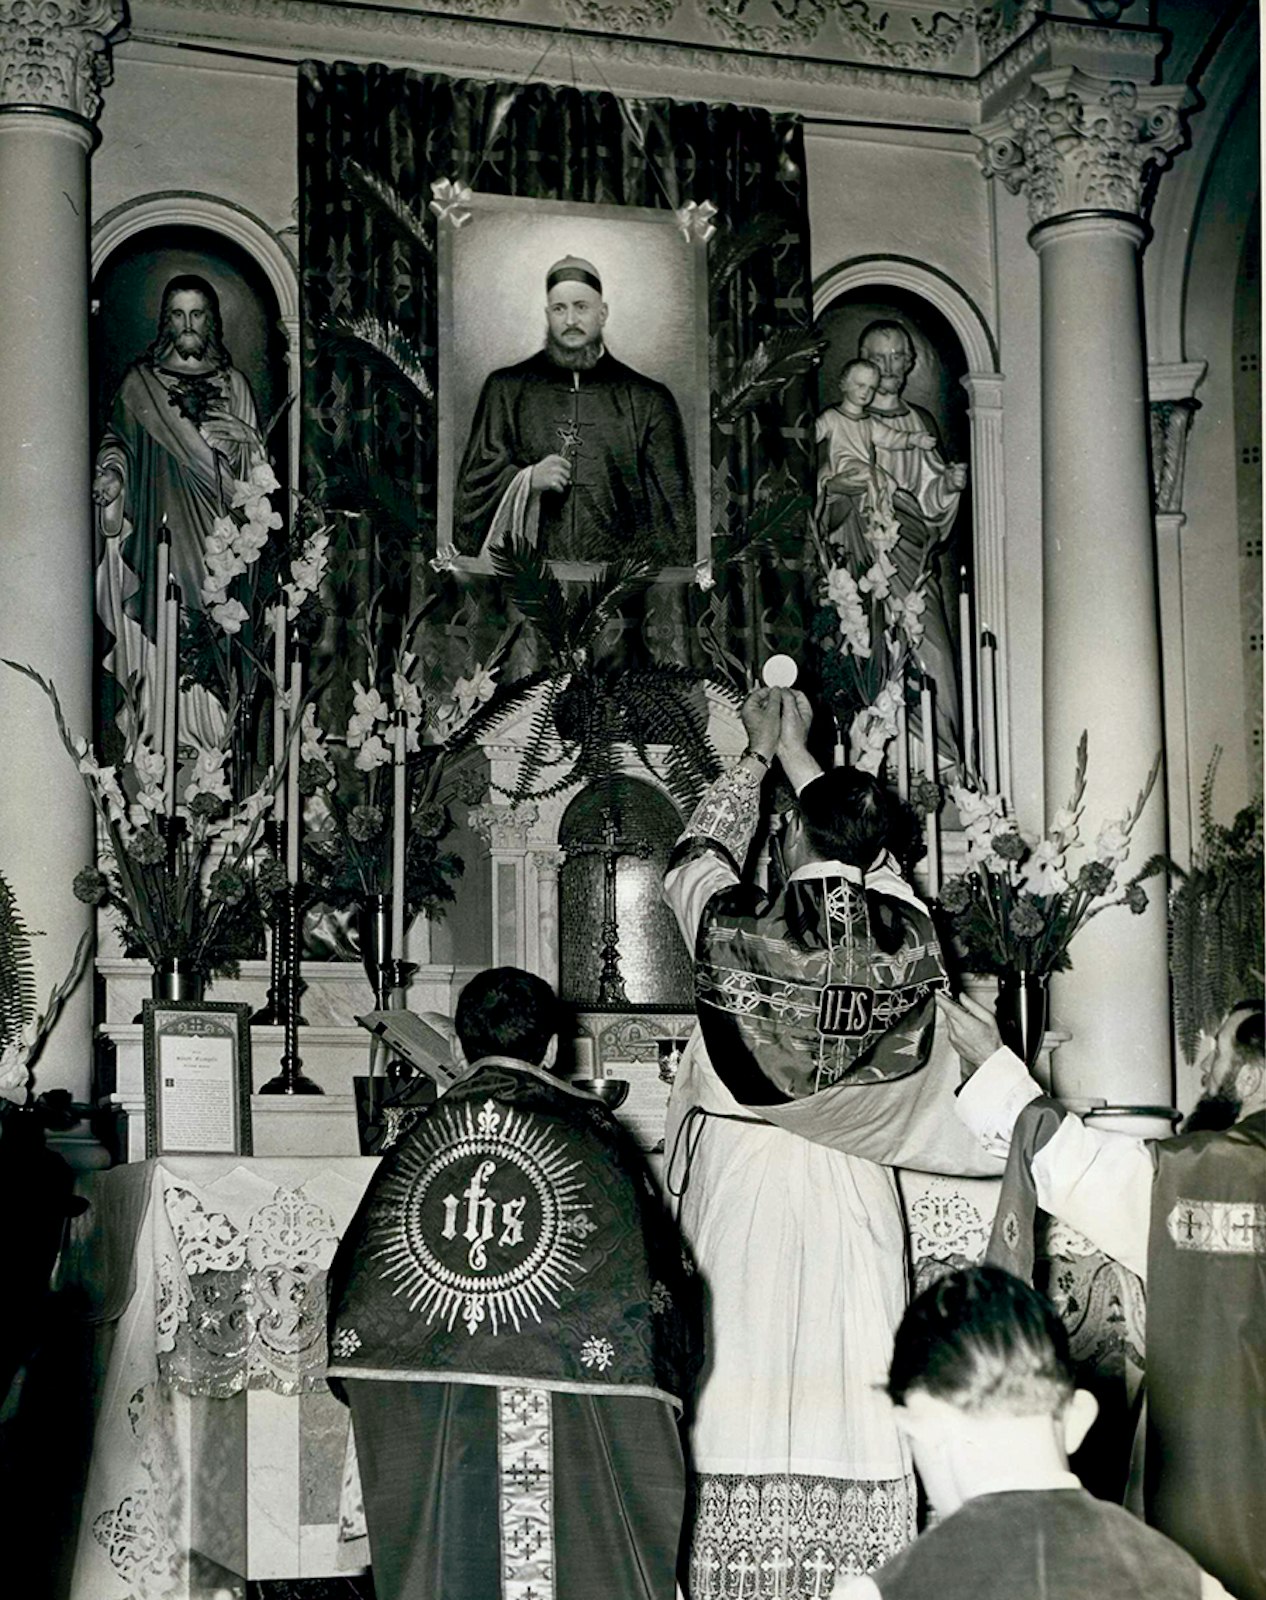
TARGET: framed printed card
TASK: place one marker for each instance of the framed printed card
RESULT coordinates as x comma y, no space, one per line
197,1077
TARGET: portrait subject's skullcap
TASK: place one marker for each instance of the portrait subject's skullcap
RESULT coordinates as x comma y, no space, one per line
573,269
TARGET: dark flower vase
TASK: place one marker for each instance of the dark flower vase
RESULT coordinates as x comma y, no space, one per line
175,978
1021,1009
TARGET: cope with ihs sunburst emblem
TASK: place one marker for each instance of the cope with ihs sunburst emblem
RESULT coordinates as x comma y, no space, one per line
485,1218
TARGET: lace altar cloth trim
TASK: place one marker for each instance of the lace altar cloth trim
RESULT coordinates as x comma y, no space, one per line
787,1537
243,1306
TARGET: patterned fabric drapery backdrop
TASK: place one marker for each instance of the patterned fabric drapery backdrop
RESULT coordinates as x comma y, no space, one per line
410,129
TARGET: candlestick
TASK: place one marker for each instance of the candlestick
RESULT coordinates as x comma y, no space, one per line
292,1079
932,822
839,756
398,839
171,697
158,719
279,715
989,709
294,814
967,659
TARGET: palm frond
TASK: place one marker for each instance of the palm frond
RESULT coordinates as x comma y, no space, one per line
600,599
358,484
537,593
389,203
784,355
387,350
729,250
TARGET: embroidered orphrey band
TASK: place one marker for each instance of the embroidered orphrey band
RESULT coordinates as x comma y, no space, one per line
525,1498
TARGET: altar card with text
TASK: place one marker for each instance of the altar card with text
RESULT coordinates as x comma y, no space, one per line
197,1077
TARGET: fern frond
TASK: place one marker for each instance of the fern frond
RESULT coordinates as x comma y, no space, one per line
17,970
389,203
784,355
386,349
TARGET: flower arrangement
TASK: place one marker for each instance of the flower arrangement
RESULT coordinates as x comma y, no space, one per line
351,776
868,626
1021,901
173,881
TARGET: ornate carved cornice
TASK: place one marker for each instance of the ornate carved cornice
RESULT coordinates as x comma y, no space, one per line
1074,142
54,54
460,35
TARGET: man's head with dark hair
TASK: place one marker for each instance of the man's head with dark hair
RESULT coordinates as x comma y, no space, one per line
985,1342
507,1012
845,815
984,1388
1233,1071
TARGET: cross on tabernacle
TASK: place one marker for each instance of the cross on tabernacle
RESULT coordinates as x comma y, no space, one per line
611,990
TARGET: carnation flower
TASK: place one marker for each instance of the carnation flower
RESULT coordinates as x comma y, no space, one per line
206,806
227,884
365,823
1095,877
956,895
1136,899
1027,921
91,886
270,876
146,847
1009,845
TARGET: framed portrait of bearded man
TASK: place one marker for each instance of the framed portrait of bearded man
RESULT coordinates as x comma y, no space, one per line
573,385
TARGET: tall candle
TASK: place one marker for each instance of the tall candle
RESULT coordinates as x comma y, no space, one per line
397,840
903,745
967,660
279,710
294,813
932,824
990,758
158,678
171,696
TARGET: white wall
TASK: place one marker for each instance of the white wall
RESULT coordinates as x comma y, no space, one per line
189,124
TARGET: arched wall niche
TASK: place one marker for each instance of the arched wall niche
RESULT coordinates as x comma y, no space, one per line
140,244
940,314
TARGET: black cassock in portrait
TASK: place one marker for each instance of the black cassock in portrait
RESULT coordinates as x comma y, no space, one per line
630,492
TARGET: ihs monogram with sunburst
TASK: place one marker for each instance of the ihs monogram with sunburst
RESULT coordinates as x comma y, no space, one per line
484,1218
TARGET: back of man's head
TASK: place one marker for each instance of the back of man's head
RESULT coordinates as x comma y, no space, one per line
505,1011
984,1342
848,816
1249,1038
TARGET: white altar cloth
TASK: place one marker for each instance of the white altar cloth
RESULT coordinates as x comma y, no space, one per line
218,1450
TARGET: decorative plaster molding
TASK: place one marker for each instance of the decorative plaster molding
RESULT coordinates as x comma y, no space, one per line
801,21
629,18
504,827
1080,143
296,27
55,53
1048,38
1171,423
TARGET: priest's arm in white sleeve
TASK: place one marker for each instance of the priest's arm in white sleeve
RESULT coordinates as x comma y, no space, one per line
1099,1183
708,856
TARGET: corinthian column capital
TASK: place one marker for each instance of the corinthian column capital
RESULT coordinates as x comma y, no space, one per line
54,54
1074,142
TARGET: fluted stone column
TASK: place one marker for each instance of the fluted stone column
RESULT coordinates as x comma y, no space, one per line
1080,147
53,63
